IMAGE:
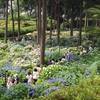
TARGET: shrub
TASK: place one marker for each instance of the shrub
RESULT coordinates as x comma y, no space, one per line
27,67
92,31
2,54
2,62
86,44
1,32
17,92
29,28
98,42
49,72
65,25
2,90
53,24
87,90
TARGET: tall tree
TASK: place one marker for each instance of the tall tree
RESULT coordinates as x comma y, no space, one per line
6,22
58,24
80,25
12,19
18,18
36,14
39,21
42,43
51,19
72,20
55,15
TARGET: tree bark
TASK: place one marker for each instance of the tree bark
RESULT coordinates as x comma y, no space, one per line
39,22
42,43
18,18
80,24
51,20
55,18
85,22
58,24
6,23
36,15
72,20
12,20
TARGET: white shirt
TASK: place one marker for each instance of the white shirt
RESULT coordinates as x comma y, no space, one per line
90,48
30,78
35,75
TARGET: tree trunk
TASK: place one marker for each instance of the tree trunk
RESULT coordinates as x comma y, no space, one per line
85,21
36,15
80,25
39,22
18,18
58,24
42,43
12,20
87,24
72,20
77,23
55,18
51,20
6,22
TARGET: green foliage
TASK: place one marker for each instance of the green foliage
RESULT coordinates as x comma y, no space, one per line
69,42
86,44
86,90
18,92
49,72
27,67
70,72
30,28
94,12
98,42
27,23
2,53
92,31
22,77
54,22
22,17
26,26
54,54
98,67
2,62
2,90
1,32
65,25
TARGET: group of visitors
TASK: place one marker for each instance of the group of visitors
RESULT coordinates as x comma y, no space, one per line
69,56
84,51
32,77
28,38
12,81
16,39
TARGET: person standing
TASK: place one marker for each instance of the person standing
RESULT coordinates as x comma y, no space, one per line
90,48
8,81
29,78
35,75
16,78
